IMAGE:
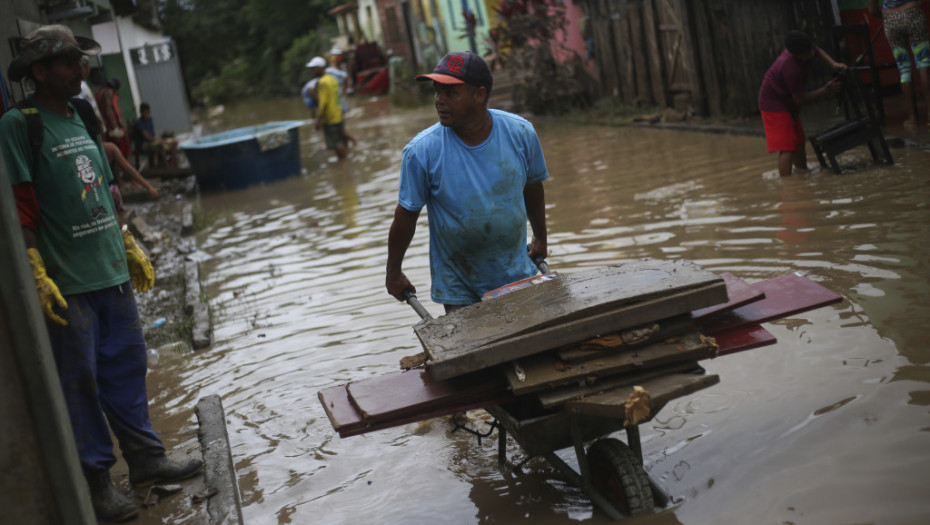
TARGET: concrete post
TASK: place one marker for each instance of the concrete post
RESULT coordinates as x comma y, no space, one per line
40,395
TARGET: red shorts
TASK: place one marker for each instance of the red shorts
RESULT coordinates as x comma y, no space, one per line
783,131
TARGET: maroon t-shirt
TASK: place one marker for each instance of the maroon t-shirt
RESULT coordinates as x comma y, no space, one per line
786,77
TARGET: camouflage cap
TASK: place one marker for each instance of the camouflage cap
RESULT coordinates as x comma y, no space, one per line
46,42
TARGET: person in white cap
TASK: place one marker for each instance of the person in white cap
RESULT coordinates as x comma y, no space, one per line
309,95
329,109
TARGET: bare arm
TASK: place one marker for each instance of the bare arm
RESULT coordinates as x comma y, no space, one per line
534,196
120,160
828,60
809,97
401,233
106,110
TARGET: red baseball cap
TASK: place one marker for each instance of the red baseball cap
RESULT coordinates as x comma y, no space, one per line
461,67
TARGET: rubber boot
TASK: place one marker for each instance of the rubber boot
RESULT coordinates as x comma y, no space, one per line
145,470
109,503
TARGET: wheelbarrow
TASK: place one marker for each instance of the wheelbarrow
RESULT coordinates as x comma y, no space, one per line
610,471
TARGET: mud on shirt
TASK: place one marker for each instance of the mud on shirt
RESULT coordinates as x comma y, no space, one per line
78,236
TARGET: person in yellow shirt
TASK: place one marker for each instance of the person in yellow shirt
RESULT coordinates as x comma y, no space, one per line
329,111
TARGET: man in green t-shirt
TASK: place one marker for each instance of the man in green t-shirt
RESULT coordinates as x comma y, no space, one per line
83,266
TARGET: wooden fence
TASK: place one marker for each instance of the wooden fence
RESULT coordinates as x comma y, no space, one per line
707,55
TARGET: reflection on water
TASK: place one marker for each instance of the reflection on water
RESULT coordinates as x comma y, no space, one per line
836,408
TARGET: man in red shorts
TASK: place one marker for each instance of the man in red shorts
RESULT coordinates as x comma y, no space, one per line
782,94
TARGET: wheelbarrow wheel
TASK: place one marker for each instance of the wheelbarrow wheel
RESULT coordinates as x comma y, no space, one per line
618,475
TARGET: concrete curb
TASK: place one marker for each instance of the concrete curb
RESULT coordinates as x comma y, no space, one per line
187,219
195,308
219,473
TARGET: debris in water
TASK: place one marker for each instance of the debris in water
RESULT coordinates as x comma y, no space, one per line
204,496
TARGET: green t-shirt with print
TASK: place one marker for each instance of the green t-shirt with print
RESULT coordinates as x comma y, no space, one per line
79,234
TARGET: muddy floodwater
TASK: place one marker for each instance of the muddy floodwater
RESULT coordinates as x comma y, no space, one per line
829,426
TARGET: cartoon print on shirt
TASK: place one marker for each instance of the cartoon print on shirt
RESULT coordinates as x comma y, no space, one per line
91,180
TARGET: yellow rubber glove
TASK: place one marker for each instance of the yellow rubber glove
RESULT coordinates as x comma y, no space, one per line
141,272
49,296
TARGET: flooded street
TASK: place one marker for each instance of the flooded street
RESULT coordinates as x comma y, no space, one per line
830,425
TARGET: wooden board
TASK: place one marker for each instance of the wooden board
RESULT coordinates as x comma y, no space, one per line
627,339
785,295
569,309
743,339
558,396
412,391
661,391
406,397
341,412
545,371
739,292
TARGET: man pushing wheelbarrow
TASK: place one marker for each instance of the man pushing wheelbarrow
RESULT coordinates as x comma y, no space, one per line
480,173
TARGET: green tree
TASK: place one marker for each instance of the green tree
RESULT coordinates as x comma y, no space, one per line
242,48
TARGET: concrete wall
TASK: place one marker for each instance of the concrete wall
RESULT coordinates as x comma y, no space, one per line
24,495
369,22
18,19
40,477
454,25
117,37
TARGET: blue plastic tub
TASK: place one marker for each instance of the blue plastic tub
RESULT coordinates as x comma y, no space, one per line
245,156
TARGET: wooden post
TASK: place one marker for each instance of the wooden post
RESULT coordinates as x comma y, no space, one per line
637,44
654,52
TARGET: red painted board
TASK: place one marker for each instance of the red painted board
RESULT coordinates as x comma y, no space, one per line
376,424
415,391
416,388
739,292
406,397
743,339
784,295
347,421
340,411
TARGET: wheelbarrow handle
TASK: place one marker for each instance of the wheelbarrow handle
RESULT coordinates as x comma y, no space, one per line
541,264
539,261
414,303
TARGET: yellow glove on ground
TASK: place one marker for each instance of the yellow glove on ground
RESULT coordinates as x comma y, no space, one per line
141,272
49,296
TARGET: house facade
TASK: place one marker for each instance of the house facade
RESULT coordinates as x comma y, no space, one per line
133,50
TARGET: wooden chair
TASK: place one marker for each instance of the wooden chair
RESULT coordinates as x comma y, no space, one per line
862,125
853,43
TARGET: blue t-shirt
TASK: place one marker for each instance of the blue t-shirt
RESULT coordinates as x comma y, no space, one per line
309,99
474,198
143,124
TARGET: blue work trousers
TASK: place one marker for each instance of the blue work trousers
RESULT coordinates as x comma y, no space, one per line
101,362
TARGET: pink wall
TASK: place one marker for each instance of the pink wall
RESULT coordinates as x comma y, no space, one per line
574,12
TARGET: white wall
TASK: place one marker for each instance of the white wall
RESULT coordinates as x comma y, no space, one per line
121,35
370,26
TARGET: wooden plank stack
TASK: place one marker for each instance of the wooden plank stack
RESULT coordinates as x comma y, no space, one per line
581,341
564,311
583,334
